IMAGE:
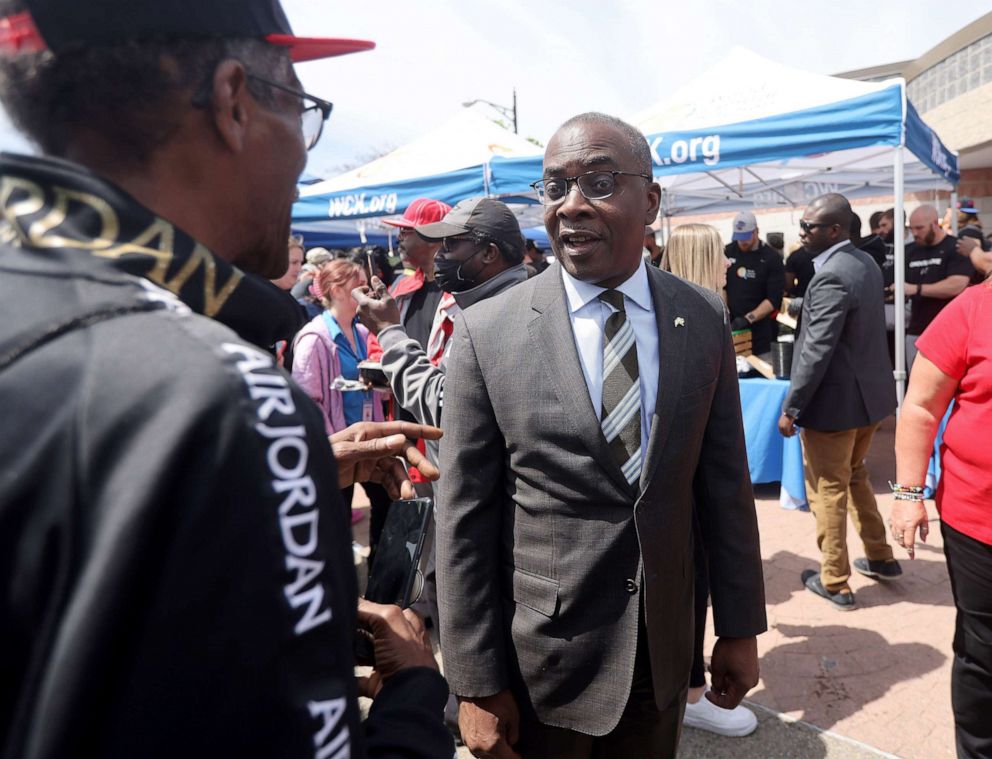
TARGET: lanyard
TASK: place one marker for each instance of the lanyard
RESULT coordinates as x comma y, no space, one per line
360,351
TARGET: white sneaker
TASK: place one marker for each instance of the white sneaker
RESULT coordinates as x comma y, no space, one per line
705,715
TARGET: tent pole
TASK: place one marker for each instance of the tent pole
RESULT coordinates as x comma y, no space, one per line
954,212
899,230
665,225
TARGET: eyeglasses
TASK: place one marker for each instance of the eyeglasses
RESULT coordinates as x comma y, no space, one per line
594,185
448,243
809,226
312,116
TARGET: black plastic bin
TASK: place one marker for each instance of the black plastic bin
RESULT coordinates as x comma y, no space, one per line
782,359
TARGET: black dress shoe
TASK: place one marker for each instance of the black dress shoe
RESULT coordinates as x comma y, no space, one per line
843,600
887,569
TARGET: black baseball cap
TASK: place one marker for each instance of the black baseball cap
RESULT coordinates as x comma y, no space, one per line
60,25
967,205
486,215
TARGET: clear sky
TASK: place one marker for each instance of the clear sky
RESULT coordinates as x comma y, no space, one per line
617,56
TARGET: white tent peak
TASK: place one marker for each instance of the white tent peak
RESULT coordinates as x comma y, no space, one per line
468,138
744,86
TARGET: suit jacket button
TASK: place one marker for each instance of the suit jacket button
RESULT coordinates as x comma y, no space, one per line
630,586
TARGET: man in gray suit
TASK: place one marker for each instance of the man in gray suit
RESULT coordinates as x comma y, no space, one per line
588,412
841,388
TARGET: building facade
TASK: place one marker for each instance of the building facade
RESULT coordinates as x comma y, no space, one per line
951,87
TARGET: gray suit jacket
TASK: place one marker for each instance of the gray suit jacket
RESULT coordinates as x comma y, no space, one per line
841,376
545,553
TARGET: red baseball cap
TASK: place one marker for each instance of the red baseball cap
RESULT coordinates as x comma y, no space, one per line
60,25
421,211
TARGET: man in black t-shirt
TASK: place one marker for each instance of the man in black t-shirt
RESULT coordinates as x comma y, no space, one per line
755,282
935,273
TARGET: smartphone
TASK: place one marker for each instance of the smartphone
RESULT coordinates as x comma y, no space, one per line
368,260
396,576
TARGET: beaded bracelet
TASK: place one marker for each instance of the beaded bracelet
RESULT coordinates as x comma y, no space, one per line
915,497
915,489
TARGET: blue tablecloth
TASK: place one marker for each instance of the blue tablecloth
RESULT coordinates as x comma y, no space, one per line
771,457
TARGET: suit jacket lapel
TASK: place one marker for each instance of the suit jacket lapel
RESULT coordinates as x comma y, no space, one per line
672,338
552,338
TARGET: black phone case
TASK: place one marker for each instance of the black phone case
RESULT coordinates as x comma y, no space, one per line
394,573
392,583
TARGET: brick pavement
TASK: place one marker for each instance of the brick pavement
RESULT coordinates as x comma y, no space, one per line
879,675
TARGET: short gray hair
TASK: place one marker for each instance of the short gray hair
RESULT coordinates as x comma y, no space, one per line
640,151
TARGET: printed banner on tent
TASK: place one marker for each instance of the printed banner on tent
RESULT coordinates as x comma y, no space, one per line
392,198
872,119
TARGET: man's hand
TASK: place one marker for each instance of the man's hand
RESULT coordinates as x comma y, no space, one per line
367,452
739,323
376,306
733,670
786,425
400,642
491,725
905,519
966,245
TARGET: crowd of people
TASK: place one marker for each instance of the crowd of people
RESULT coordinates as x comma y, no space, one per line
188,412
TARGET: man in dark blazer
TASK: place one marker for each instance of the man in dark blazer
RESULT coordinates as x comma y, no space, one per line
841,388
565,550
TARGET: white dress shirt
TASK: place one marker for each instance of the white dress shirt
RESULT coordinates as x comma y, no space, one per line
821,258
588,317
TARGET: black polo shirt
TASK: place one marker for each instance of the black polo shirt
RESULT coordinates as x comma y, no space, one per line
753,277
926,264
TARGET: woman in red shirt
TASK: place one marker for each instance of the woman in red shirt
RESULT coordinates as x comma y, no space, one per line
955,363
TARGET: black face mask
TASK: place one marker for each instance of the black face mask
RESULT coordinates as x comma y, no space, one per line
448,274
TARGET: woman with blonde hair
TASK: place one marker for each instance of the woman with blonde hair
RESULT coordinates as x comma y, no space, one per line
695,253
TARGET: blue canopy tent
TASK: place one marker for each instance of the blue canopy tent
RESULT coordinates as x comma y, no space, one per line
807,134
343,235
449,163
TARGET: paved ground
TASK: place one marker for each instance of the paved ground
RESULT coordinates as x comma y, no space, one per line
870,682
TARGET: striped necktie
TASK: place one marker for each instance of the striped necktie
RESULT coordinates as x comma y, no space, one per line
621,414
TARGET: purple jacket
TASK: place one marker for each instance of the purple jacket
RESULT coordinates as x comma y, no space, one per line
316,364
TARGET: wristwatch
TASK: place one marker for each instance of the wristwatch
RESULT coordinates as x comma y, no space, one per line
919,289
750,317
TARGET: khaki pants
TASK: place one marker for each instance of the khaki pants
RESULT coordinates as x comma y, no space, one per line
836,483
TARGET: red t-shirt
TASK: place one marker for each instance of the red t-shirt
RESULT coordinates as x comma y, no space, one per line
959,343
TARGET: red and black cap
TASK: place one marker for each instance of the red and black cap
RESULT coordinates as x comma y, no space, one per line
489,216
60,25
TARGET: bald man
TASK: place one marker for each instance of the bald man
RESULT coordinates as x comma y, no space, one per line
841,387
935,273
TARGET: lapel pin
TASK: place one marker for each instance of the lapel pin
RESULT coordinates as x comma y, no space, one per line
679,321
